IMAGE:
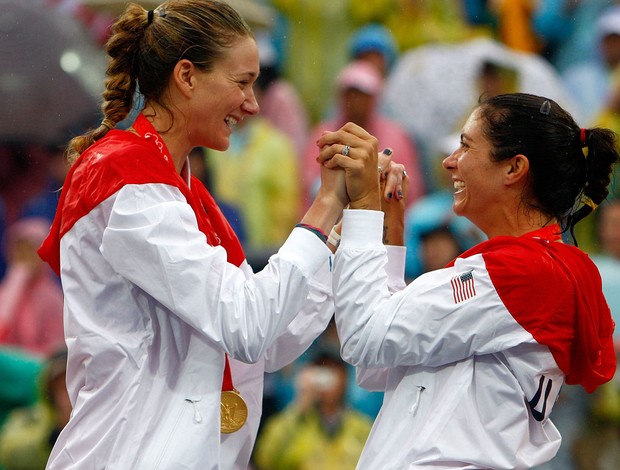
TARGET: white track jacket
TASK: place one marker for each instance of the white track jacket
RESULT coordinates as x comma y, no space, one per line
152,308
471,357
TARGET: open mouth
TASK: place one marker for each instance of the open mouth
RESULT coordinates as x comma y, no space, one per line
231,121
459,186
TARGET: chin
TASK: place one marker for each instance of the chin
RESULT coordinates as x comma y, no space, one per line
220,146
456,209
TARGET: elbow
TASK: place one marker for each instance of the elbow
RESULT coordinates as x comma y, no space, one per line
350,355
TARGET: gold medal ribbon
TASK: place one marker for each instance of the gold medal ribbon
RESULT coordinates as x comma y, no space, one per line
233,409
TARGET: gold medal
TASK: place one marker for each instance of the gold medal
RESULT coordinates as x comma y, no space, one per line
233,411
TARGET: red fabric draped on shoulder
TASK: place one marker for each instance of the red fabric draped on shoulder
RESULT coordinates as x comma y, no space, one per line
122,158
554,291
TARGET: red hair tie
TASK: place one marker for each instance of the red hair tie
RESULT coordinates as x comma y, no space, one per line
582,137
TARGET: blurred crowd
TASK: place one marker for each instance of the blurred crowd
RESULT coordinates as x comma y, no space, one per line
409,71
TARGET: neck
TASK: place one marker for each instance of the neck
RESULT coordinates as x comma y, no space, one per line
518,223
169,128
330,408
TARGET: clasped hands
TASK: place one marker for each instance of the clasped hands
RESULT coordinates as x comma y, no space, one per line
363,178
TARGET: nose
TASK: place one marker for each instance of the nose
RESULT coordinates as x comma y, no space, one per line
449,163
250,105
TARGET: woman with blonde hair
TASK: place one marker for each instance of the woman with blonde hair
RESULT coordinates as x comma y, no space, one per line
162,311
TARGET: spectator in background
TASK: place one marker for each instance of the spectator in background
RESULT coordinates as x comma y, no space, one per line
317,430
24,173
280,385
376,44
414,23
280,102
19,371
608,259
31,299
514,24
30,432
438,246
31,175
594,82
359,87
44,203
566,29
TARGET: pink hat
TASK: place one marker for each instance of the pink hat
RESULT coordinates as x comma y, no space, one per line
362,76
30,229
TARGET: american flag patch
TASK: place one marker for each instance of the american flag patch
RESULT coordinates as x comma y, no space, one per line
463,286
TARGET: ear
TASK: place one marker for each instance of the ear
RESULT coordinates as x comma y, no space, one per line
183,77
517,170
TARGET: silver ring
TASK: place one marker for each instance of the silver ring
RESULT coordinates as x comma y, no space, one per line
379,169
404,174
345,150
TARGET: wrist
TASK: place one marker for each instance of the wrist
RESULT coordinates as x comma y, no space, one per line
317,231
324,212
393,235
371,202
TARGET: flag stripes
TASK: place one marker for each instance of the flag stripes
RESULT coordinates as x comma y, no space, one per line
463,287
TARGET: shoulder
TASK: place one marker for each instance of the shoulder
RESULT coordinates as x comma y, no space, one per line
121,156
538,280
528,262
117,149
536,257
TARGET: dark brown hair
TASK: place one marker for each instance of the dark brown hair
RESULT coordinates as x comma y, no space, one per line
569,167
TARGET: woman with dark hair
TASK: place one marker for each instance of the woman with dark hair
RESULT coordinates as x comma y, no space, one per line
472,356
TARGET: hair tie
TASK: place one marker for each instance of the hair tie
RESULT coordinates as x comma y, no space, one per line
583,137
107,122
150,17
587,201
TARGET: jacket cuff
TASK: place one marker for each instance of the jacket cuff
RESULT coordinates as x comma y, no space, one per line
362,228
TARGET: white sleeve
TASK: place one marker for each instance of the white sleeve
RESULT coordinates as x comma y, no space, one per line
375,380
152,240
395,268
428,323
314,316
318,310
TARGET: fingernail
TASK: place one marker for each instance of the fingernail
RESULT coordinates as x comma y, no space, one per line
387,151
389,195
400,194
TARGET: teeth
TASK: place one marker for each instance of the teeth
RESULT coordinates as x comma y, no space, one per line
230,121
459,185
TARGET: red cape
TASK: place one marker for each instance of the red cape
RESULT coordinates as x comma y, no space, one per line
554,291
122,158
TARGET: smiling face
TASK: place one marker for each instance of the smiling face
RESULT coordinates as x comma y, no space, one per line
224,96
477,179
